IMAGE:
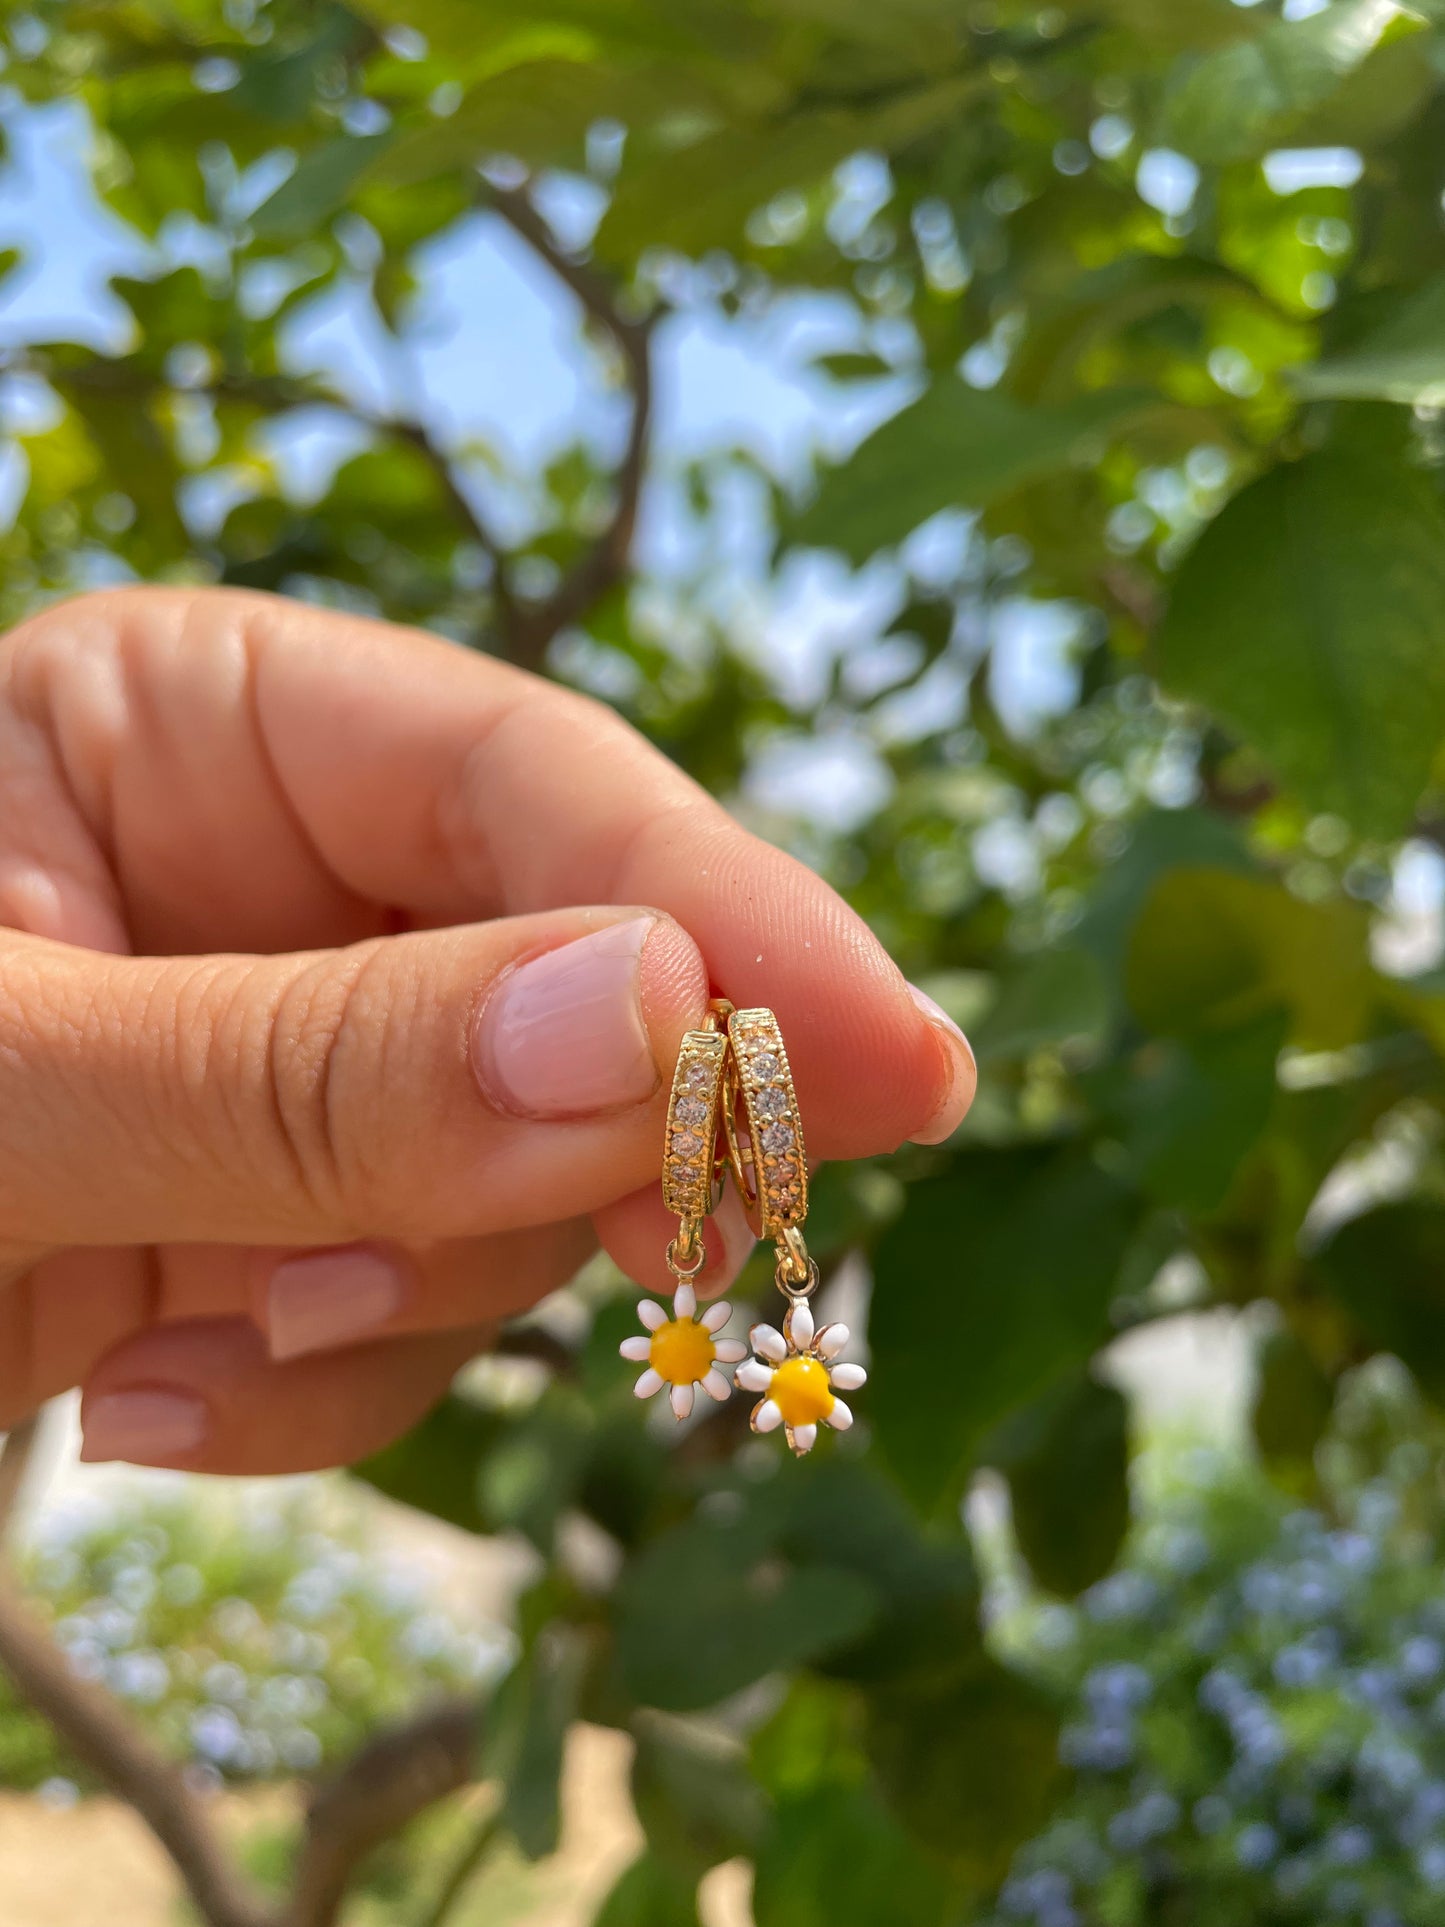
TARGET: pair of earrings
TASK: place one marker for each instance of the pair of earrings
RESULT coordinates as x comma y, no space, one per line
733,1106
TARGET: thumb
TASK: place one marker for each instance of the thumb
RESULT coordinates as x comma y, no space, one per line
432,1085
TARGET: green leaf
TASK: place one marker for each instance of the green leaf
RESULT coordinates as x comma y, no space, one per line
1066,1459
922,32
135,453
699,196
1379,98
1388,1268
996,1279
538,112
1189,1113
1161,840
279,85
1055,997
971,1771
1183,24
433,1467
837,1858
693,1794
1310,617
650,1893
1240,100
450,26
1213,952
706,1609
532,1472
844,1513
323,179
526,1728
1401,360
954,447
1293,1400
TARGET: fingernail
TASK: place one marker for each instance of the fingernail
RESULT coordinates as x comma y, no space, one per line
323,1299
963,1077
147,1426
563,1035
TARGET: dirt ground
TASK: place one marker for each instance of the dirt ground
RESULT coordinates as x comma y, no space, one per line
95,1863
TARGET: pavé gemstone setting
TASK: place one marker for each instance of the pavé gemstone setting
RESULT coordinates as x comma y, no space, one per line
693,1111
769,1106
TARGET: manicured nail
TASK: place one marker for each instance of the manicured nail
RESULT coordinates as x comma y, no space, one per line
963,1078
148,1426
319,1300
563,1034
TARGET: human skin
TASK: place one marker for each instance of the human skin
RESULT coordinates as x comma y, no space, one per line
341,975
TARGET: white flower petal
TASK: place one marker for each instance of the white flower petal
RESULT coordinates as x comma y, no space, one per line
684,1301
730,1350
637,1349
849,1378
831,1340
804,1438
716,1316
755,1376
649,1383
769,1343
651,1314
716,1386
799,1326
839,1416
766,1417
681,1397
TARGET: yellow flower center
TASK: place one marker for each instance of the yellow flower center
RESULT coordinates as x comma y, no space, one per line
681,1351
801,1391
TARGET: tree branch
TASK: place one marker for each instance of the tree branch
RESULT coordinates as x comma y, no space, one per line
526,629
95,1728
278,392
379,1791
604,564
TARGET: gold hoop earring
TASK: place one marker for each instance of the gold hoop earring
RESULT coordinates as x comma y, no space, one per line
795,1369
684,1351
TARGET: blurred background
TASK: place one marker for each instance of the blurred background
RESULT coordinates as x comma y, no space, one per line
998,449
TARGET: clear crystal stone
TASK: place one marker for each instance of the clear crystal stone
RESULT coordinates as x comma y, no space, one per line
777,1137
697,1077
689,1110
772,1102
766,1067
686,1145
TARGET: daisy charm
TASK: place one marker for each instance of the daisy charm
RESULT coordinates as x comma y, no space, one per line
794,1370
683,1352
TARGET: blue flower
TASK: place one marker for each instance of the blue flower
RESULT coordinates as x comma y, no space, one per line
1256,1846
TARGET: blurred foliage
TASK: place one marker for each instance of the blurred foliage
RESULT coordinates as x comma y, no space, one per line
1148,301
256,1642
1256,1696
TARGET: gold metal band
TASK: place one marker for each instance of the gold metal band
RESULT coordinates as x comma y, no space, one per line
771,1166
690,1162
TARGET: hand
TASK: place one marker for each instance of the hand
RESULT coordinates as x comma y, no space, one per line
341,975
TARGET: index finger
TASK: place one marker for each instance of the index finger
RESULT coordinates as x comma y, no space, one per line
416,774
